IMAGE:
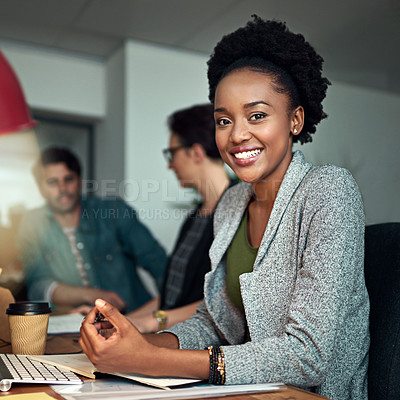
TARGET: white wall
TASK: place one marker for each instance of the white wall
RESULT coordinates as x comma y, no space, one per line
59,82
132,94
159,81
110,132
360,134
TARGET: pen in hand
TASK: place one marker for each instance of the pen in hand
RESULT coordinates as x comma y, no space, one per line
100,318
105,332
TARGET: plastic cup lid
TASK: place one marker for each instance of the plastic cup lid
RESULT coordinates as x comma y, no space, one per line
28,308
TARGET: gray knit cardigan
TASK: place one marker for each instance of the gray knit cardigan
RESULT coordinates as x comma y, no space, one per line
306,304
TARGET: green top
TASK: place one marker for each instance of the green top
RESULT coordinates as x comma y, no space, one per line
239,259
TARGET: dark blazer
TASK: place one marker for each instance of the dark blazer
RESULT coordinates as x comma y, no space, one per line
199,264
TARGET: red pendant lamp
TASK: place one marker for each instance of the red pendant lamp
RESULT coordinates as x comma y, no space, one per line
14,112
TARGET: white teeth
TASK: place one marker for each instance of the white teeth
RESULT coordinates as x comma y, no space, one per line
247,154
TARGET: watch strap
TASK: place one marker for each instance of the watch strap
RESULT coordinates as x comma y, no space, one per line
161,317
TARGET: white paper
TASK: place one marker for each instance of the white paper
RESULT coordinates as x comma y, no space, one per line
105,389
103,385
68,323
80,364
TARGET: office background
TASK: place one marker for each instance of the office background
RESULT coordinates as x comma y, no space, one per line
119,68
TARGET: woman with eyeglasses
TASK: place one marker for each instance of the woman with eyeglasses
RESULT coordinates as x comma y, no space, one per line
194,157
285,300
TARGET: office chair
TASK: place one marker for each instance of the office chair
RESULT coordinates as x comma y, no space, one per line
382,276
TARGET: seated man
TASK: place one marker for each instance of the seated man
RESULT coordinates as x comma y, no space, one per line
74,250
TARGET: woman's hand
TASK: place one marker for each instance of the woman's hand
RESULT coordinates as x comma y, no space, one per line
123,350
145,323
115,345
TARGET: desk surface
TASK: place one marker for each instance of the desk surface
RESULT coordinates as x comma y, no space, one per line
290,393
69,344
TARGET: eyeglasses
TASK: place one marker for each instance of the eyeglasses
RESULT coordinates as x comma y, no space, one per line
169,153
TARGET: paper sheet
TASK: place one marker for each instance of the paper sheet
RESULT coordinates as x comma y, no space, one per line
68,323
110,389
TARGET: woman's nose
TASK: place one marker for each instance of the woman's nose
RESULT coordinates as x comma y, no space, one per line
240,132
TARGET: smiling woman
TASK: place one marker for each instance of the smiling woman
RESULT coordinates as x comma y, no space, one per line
285,299
255,136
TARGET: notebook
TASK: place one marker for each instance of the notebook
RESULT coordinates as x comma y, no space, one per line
80,364
21,369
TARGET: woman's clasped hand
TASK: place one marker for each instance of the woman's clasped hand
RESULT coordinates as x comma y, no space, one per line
110,345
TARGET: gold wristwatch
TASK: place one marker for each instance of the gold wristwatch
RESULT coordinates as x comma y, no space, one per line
161,317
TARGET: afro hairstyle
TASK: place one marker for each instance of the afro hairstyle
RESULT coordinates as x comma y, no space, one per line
296,67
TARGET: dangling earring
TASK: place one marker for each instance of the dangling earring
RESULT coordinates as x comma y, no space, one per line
294,130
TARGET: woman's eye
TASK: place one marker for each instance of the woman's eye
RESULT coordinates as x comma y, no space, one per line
223,122
257,116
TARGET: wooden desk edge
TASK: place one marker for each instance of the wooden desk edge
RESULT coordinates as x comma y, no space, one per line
290,393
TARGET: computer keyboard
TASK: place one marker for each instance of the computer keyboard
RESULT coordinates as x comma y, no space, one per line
21,369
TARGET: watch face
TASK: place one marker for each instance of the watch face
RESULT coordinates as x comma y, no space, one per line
160,315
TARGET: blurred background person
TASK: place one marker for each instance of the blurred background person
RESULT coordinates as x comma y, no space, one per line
75,249
194,157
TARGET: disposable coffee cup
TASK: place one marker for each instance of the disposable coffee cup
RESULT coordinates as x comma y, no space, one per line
28,326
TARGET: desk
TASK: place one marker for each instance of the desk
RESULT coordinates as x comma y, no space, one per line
290,394
69,344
